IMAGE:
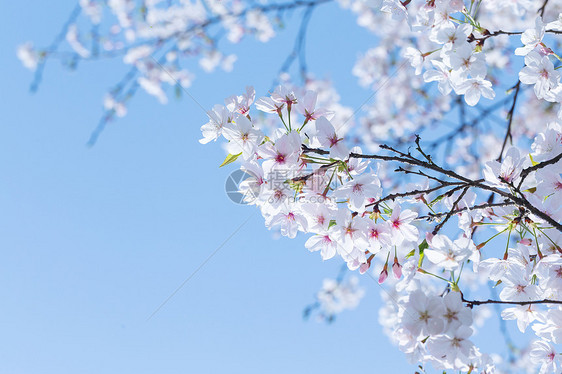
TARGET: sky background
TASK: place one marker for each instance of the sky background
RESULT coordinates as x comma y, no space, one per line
93,240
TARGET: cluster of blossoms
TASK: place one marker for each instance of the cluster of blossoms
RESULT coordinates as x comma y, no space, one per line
468,48
464,46
304,178
335,296
433,59
154,38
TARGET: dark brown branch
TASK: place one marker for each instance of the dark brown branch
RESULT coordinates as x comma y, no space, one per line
409,159
542,8
509,120
488,34
307,176
431,216
522,202
538,166
412,193
440,225
421,173
472,303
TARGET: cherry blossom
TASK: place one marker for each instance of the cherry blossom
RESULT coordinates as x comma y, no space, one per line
452,194
539,71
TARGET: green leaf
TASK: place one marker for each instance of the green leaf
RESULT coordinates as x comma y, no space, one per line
332,223
422,247
411,253
230,159
436,200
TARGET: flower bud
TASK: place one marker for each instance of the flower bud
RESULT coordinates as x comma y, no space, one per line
364,267
428,237
397,269
383,275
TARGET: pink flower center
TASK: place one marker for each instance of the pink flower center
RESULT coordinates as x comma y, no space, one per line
358,188
280,158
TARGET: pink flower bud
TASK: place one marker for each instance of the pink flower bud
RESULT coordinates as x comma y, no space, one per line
383,276
428,237
544,50
526,241
364,267
397,269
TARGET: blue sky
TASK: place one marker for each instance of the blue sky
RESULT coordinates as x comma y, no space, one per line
93,240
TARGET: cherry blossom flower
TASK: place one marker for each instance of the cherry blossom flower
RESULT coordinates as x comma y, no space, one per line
546,355
395,8
456,313
441,75
307,107
290,219
551,327
452,347
325,242
326,136
531,38
242,103
284,154
268,105
335,297
550,185
378,236
523,314
243,137
416,58
350,233
283,95
450,35
517,285
219,116
401,226
446,254
473,88
464,59
358,190
539,70
424,314
507,172
28,56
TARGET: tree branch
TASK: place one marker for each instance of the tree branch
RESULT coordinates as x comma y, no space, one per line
472,303
509,120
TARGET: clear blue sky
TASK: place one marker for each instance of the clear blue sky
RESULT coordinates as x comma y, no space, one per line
92,241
